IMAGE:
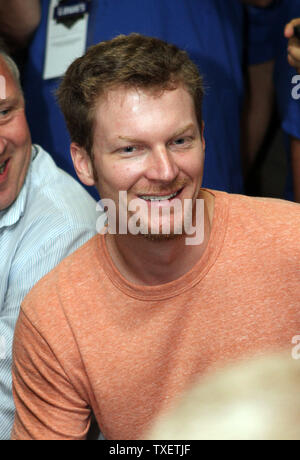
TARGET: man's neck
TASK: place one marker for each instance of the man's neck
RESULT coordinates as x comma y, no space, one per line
149,262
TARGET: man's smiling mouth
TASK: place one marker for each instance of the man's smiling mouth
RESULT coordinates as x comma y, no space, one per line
159,197
3,166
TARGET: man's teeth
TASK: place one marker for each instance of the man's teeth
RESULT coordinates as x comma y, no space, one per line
158,198
2,167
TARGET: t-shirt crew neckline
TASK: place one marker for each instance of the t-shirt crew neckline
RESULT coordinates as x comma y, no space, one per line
191,278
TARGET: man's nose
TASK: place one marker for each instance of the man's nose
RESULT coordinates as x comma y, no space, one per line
162,166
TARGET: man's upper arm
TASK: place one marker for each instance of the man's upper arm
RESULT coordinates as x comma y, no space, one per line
47,405
24,274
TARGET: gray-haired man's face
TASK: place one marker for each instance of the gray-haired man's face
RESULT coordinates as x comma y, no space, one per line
15,139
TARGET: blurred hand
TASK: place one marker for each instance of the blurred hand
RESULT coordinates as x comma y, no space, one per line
293,45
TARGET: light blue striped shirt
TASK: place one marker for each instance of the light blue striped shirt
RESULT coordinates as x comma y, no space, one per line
52,216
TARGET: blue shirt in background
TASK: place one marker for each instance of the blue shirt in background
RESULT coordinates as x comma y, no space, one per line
212,33
288,106
266,41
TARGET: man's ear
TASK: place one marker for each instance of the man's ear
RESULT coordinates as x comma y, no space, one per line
83,164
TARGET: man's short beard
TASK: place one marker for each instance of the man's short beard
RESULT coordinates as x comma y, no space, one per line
158,237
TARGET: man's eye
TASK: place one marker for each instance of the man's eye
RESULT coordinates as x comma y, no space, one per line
3,113
180,141
129,149
183,142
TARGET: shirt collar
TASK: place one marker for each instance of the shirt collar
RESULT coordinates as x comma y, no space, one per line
15,211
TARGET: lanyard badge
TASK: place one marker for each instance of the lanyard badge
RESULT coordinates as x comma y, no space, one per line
69,11
66,35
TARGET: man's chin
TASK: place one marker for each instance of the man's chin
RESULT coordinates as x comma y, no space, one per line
163,230
160,236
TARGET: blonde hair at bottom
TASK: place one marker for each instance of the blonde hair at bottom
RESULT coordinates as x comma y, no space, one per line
254,399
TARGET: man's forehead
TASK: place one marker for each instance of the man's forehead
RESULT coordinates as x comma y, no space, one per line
9,90
118,95
2,88
3,79
131,99
131,114
121,92
4,69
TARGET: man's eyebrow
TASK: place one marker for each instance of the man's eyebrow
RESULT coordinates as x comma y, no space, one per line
183,130
176,134
128,139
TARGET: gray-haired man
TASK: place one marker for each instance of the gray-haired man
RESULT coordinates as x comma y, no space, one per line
44,216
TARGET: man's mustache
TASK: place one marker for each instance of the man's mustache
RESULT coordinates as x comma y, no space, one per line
163,189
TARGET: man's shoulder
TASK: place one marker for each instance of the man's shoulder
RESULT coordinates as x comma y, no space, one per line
50,292
260,218
49,177
268,217
58,196
271,208
73,268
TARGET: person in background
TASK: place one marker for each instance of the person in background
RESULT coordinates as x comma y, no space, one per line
294,43
18,21
293,113
44,216
270,88
212,31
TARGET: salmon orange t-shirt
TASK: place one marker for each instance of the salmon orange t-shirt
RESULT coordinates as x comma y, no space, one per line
89,341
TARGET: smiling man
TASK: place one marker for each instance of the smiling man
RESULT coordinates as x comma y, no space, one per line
44,216
150,145
132,318
159,187
15,142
